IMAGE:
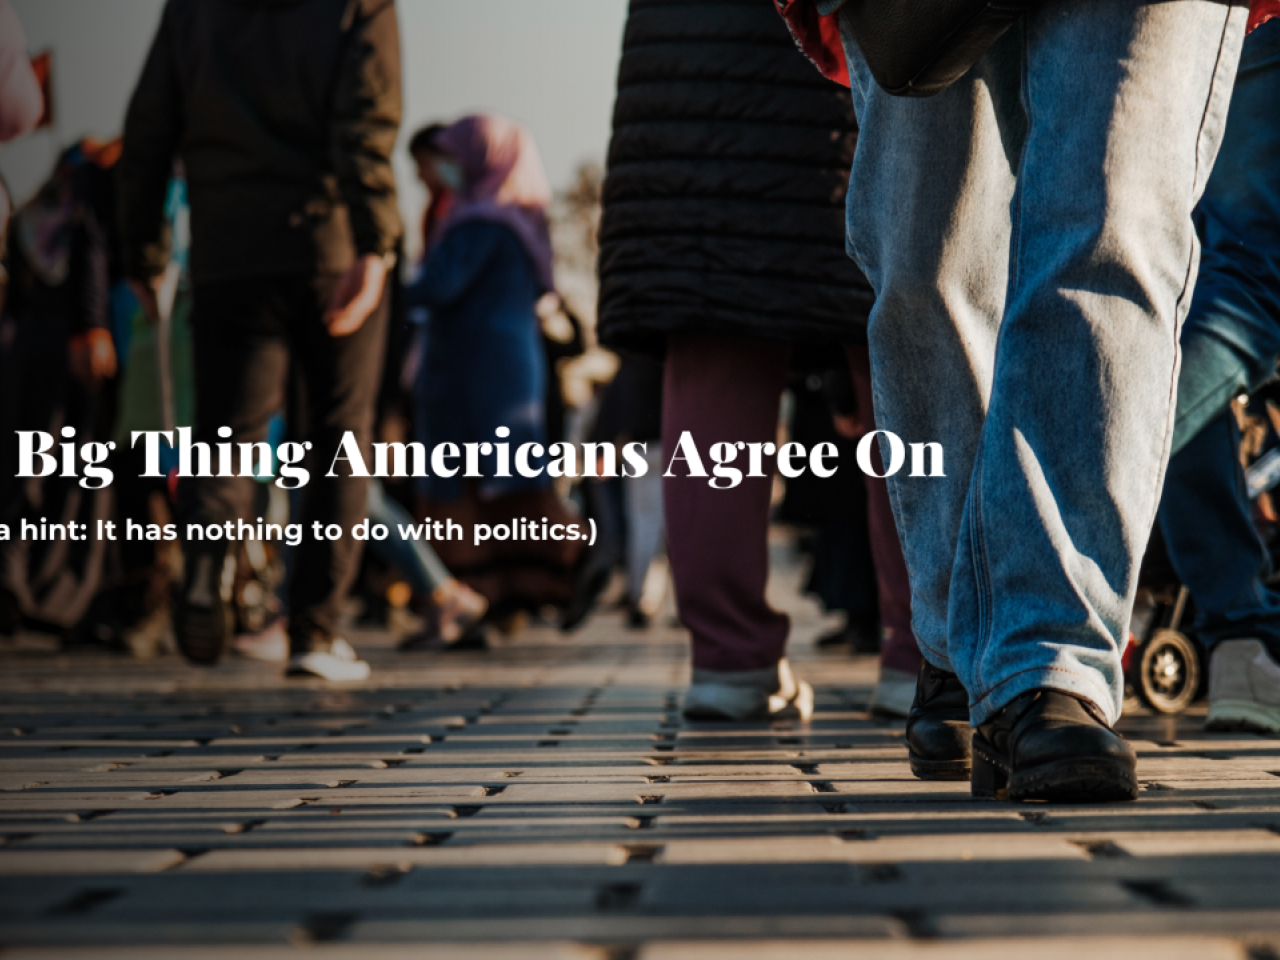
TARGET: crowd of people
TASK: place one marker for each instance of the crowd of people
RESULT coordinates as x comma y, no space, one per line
1062,265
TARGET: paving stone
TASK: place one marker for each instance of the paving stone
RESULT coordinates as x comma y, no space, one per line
18,862
224,861
1096,948
892,849
546,799
628,929
328,951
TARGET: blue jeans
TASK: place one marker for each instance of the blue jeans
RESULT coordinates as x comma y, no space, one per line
413,558
1230,344
1028,233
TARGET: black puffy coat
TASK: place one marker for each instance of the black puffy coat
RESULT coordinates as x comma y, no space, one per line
727,173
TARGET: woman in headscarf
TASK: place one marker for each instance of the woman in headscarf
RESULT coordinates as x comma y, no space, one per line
484,372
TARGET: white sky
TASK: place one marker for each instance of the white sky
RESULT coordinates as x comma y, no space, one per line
551,64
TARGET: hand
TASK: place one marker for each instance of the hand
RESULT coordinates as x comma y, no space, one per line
848,426
93,356
148,297
357,295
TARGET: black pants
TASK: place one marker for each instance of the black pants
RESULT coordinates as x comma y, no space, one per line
251,337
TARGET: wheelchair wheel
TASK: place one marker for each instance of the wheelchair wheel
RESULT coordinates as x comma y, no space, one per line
1169,672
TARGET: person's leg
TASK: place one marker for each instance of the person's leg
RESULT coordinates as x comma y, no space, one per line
722,389
1232,335
337,382
452,608
1230,345
1061,475
240,358
928,223
1127,105
644,523
1212,542
413,558
726,390
900,653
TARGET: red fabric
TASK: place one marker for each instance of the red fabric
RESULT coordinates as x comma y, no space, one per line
819,37
1262,11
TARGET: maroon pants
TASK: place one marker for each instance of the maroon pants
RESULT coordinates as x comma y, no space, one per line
724,389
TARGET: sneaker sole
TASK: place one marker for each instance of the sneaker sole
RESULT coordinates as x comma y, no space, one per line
1076,780
297,672
1229,716
202,633
799,707
723,716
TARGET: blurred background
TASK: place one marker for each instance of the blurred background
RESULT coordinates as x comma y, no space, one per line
550,66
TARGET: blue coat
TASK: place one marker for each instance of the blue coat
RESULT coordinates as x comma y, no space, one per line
484,366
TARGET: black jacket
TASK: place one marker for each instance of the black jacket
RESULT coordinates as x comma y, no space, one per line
285,114
727,173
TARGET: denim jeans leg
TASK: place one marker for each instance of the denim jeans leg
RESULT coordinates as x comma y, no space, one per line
1212,542
1232,335
412,558
1230,344
1063,318
928,223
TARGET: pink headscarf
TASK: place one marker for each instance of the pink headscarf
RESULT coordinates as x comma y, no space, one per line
505,183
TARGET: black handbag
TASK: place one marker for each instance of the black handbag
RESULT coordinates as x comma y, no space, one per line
915,48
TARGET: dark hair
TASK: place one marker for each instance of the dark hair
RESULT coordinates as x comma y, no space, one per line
425,138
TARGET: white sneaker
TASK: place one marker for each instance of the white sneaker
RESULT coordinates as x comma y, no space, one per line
894,693
340,663
270,644
748,695
1244,688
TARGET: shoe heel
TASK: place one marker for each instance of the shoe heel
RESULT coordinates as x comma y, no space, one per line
987,781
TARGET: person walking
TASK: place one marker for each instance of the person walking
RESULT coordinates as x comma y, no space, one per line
721,249
286,138
58,371
631,412
1028,232
1230,345
483,372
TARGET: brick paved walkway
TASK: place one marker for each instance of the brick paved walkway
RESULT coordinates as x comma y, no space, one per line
545,800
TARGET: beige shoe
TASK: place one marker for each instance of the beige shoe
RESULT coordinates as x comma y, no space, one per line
270,644
748,695
894,693
1244,688
339,664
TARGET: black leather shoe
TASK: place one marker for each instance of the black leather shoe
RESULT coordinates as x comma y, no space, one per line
1050,745
590,580
938,731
